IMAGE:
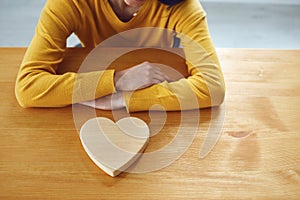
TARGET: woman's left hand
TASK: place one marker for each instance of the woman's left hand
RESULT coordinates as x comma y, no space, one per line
109,102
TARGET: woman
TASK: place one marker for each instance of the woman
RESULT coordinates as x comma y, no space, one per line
93,21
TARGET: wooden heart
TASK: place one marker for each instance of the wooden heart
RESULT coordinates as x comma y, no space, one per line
114,146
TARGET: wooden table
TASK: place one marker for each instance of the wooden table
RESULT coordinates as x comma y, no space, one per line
41,156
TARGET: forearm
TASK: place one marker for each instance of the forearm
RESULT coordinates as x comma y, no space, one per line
185,94
48,90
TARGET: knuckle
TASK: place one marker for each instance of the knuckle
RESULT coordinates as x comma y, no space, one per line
146,64
149,67
147,73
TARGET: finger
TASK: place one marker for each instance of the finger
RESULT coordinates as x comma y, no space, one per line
90,103
161,73
159,77
169,79
103,103
150,82
166,77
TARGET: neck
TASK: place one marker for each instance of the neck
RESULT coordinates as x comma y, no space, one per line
123,9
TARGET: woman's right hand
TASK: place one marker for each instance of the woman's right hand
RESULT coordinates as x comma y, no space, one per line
139,77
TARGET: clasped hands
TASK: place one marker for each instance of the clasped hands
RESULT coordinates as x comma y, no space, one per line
138,77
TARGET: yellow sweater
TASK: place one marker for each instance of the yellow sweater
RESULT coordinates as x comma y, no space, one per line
93,21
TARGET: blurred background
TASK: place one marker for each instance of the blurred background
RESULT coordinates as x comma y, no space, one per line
232,23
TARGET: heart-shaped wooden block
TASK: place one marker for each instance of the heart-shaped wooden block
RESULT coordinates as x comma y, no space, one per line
114,146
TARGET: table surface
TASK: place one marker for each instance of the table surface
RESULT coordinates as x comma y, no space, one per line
41,156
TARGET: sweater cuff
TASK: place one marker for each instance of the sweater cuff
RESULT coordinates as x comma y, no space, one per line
141,100
106,84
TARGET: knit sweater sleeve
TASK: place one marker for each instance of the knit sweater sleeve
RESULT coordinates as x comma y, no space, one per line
38,84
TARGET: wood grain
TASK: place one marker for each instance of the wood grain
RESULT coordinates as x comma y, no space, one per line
41,156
